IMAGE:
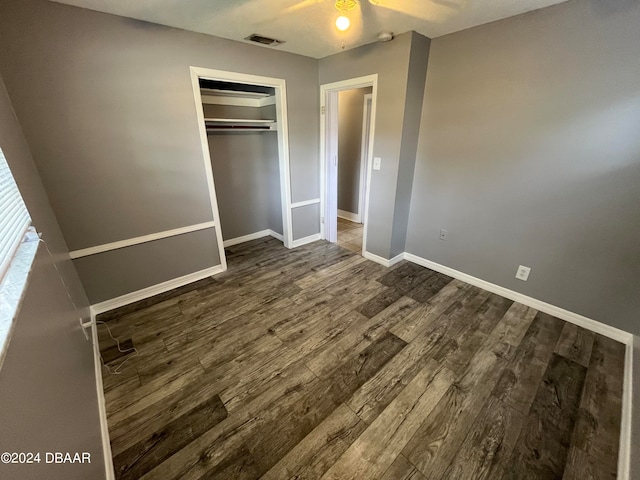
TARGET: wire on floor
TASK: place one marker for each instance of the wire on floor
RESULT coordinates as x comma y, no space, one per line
116,371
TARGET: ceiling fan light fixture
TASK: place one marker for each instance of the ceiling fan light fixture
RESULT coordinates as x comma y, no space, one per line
343,23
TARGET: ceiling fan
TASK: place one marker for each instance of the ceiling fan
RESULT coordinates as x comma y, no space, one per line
413,8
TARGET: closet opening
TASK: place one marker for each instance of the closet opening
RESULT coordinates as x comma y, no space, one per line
243,129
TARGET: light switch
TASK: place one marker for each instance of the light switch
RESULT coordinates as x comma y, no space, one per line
376,163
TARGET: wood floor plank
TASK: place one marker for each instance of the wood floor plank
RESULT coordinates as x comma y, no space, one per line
486,450
322,275
143,423
542,448
157,447
379,445
491,312
129,383
406,277
154,391
522,375
515,323
117,353
397,272
424,291
315,454
558,396
272,437
414,324
360,332
581,466
284,433
401,469
378,303
597,427
256,379
463,350
438,439
537,454
222,443
377,393
575,343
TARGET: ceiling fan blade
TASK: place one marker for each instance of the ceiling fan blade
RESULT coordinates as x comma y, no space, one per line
296,7
299,6
428,10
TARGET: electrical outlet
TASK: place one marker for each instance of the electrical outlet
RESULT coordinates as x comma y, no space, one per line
377,163
443,235
523,273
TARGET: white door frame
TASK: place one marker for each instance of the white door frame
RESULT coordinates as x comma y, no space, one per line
280,87
328,168
364,154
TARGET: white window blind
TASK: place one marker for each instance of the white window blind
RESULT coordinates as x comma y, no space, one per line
14,218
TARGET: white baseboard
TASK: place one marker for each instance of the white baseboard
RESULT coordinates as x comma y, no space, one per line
102,408
154,290
624,456
383,261
253,236
305,240
588,323
246,238
353,217
276,235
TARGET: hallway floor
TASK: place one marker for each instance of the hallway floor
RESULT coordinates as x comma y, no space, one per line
350,235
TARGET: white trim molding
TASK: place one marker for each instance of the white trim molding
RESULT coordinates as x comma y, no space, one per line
381,260
147,292
304,203
280,86
102,408
85,252
276,235
352,217
252,236
327,92
624,456
305,240
589,324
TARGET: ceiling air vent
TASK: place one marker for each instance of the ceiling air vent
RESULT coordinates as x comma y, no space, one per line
272,42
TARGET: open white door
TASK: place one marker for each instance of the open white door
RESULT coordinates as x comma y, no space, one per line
331,161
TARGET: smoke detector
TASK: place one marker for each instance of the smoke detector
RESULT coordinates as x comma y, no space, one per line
385,36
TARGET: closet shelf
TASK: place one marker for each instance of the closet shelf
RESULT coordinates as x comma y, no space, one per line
239,124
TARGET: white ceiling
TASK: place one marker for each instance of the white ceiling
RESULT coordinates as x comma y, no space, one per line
307,26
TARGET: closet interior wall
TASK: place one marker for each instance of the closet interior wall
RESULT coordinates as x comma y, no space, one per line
246,172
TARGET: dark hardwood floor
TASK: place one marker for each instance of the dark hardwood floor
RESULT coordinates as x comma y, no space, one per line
317,363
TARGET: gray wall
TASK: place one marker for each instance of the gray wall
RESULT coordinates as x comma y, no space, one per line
136,267
246,173
391,62
107,107
417,71
303,223
350,112
48,399
529,154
